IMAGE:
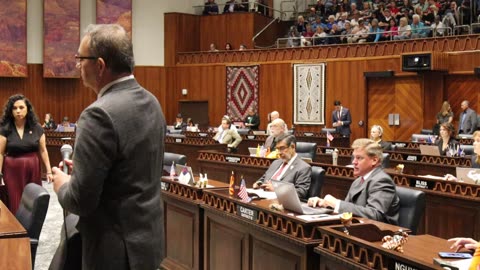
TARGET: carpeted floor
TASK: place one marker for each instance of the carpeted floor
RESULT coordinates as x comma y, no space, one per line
50,235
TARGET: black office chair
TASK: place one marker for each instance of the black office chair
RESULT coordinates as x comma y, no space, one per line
386,160
243,131
467,149
168,158
426,131
317,178
31,213
306,149
412,207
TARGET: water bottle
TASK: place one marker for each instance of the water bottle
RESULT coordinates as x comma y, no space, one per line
335,157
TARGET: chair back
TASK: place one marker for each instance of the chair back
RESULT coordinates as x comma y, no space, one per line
467,149
426,131
306,149
33,209
386,160
329,130
317,178
412,207
168,158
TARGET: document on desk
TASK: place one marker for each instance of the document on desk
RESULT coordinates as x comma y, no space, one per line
453,265
432,177
320,217
262,194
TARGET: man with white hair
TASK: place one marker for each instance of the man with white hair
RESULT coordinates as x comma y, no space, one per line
277,128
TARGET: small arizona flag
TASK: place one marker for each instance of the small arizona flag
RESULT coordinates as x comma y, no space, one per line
242,193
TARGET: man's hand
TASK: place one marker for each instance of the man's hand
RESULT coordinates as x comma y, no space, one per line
59,178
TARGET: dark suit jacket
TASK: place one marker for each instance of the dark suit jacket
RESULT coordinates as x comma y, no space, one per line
474,162
254,120
470,122
451,142
270,142
375,199
346,118
114,186
298,173
385,145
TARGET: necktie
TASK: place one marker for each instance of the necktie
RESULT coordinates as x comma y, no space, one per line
279,172
362,180
338,115
274,143
463,119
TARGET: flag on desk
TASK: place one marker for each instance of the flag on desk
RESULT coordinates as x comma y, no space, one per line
172,170
329,136
242,193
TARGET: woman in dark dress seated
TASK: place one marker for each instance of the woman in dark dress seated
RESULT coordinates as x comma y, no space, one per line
476,150
22,141
376,133
447,140
49,122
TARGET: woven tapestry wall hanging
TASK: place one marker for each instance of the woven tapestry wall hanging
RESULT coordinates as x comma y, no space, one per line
242,91
13,41
309,94
115,11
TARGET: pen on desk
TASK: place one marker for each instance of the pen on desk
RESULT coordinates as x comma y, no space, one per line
319,216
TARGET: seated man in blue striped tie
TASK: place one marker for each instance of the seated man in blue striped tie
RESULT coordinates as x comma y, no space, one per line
372,194
288,168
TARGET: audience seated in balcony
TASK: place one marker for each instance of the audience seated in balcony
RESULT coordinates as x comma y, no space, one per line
293,37
418,28
306,38
375,32
346,33
404,30
301,25
211,8
320,37
360,32
390,31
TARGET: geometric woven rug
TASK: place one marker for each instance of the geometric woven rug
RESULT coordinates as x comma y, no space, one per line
309,94
242,91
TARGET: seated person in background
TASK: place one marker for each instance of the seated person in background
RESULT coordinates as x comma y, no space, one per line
372,194
211,8
462,242
376,133
190,122
230,6
232,127
49,123
476,150
65,123
227,135
179,124
252,121
288,168
242,47
277,129
447,140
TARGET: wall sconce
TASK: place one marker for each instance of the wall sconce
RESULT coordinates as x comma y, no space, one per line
184,92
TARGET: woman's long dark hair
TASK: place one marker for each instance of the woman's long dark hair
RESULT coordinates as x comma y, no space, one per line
8,121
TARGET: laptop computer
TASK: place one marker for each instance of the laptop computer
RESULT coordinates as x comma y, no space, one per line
429,150
468,175
252,151
287,196
184,178
258,132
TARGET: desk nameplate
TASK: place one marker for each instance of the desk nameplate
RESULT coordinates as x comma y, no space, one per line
248,213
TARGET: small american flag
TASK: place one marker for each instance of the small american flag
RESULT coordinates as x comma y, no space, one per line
242,193
329,136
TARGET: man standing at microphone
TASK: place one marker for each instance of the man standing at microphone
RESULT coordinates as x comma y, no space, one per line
114,184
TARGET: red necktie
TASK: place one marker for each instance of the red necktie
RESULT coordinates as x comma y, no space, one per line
279,172
362,180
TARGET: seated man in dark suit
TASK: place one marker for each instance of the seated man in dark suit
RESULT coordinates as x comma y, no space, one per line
372,194
252,121
179,123
289,168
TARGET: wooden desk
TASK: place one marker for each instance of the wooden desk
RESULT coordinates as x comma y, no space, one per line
242,235
184,224
190,147
340,251
14,242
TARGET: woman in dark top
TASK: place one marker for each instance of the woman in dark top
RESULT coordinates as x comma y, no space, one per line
447,140
476,150
376,133
445,115
49,123
21,142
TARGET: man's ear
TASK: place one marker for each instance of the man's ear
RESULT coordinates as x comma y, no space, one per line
101,65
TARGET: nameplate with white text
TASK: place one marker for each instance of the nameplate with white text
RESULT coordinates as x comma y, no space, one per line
247,213
423,184
179,140
233,159
202,134
250,137
329,150
412,158
308,134
394,265
164,186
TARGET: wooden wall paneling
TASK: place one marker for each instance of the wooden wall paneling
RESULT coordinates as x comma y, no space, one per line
181,34
270,35
154,80
345,82
276,92
381,100
409,104
459,88
239,29
459,62
434,93
213,29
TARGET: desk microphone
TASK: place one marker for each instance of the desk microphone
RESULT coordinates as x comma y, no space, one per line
66,151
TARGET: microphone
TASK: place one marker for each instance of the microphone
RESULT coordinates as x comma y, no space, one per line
66,151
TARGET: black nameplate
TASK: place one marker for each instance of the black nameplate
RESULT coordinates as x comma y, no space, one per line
164,186
329,150
394,265
420,183
233,159
202,134
308,134
250,137
179,140
247,213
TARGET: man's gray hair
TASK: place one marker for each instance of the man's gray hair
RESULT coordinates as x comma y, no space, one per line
372,148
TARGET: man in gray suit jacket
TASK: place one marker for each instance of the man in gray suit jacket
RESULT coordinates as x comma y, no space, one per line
467,122
289,168
372,194
114,184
